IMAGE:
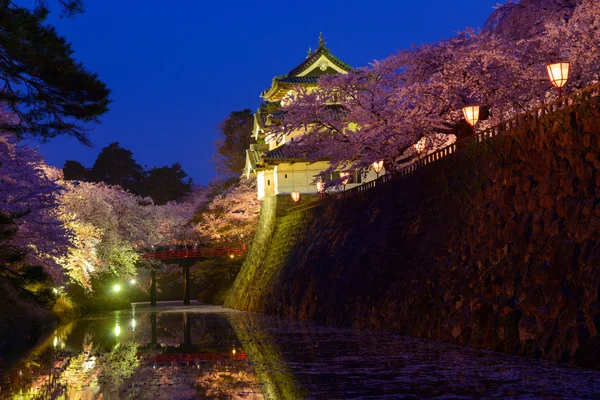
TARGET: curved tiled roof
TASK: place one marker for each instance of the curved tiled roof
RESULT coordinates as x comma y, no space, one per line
281,154
290,80
321,50
310,80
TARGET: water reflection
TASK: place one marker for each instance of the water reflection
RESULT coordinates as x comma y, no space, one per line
210,352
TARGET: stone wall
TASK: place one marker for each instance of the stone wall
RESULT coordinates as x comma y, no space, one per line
496,246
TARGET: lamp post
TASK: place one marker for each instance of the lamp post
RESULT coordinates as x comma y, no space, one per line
295,196
558,73
377,167
471,114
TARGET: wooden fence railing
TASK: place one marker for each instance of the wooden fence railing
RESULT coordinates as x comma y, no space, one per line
488,133
197,253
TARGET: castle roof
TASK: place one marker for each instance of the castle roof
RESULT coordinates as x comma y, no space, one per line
318,63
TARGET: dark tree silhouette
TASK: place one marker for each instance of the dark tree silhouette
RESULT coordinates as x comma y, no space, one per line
47,92
236,136
116,166
75,171
166,184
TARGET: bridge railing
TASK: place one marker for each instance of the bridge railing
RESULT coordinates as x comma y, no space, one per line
488,133
197,253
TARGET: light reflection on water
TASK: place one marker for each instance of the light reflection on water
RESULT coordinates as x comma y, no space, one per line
210,352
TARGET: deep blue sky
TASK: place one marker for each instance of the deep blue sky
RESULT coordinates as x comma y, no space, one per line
176,68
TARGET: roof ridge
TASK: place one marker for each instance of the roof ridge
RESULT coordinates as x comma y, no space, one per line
321,50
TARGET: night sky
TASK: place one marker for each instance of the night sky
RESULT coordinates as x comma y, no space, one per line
177,68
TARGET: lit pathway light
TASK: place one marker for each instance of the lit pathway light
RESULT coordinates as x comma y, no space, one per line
558,73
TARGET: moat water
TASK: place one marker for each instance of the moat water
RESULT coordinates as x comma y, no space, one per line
215,353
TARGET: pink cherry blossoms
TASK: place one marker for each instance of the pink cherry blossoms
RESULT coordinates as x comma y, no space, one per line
380,111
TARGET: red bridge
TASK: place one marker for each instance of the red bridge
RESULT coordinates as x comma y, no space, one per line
182,254
207,252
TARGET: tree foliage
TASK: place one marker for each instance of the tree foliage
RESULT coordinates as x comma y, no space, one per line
236,136
382,110
45,88
231,216
115,165
28,205
165,184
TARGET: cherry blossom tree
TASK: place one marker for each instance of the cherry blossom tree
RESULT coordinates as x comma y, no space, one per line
231,216
29,195
109,226
382,110
174,220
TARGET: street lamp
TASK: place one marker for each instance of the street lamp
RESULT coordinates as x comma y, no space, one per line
558,73
377,167
295,196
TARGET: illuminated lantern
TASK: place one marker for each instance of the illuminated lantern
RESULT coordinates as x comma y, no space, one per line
346,176
377,167
320,187
420,145
295,196
471,114
558,73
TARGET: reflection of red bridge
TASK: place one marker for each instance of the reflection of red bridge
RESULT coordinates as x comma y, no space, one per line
195,357
208,252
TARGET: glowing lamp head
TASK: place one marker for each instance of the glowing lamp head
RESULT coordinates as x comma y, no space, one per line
320,187
295,196
346,176
471,114
558,73
378,166
117,288
231,256
132,281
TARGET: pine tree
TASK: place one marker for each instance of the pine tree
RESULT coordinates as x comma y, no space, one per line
43,86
